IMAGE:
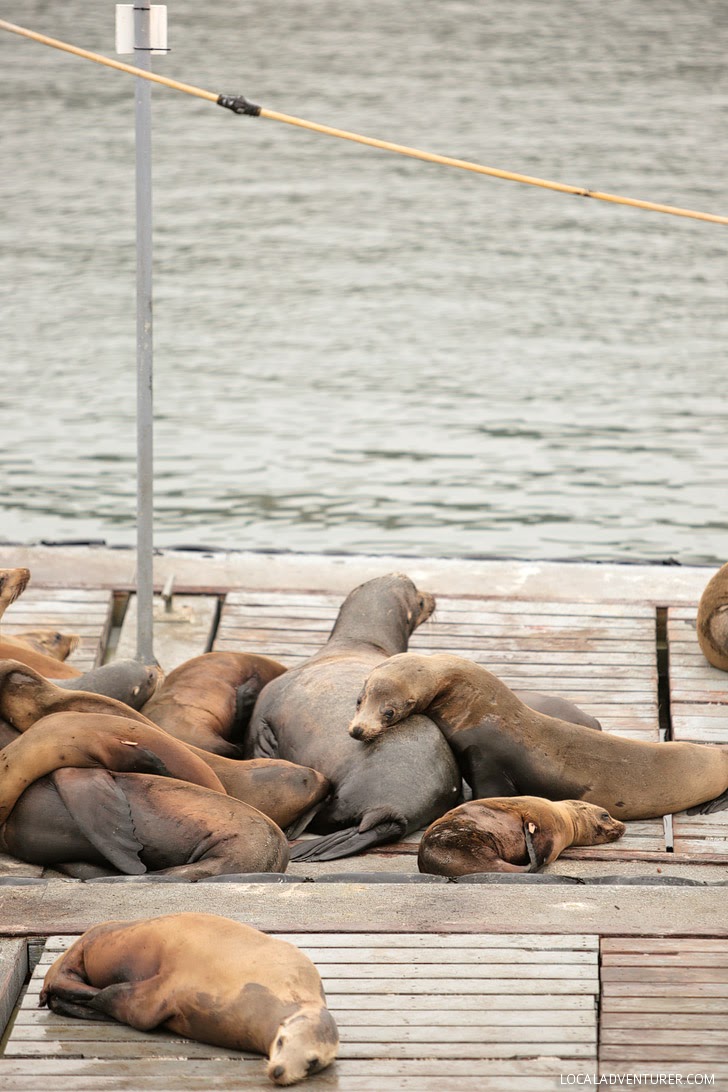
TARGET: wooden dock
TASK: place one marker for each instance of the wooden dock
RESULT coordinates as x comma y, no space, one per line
528,985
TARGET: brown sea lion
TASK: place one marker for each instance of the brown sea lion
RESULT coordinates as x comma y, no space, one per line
13,583
46,666
712,625
286,792
50,642
511,834
379,794
207,701
33,755
506,749
80,819
205,977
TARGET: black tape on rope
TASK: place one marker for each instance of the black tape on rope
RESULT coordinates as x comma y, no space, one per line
238,104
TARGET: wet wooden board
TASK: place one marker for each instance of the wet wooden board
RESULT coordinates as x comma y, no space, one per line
410,1008
71,610
699,714
180,633
664,1005
600,656
13,970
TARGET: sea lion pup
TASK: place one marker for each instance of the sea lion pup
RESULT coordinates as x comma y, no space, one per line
128,681
207,701
507,749
514,834
89,822
206,977
379,793
88,740
712,624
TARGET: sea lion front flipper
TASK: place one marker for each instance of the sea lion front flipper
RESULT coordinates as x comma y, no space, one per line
529,828
297,827
101,810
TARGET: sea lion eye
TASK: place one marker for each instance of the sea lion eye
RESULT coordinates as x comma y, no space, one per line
388,713
605,815
279,1044
358,702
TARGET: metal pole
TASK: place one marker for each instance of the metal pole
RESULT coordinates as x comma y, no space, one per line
145,472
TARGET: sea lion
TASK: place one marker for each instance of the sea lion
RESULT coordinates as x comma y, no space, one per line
506,749
115,743
50,642
514,834
128,681
207,701
286,792
381,793
26,696
560,708
712,624
46,666
206,977
13,583
76,818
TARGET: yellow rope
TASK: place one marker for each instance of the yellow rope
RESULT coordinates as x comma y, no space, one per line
372,142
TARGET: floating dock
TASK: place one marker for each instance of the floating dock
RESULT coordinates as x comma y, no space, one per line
612,961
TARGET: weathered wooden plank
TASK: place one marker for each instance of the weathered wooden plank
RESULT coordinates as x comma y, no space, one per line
13,969
645,974
697,1058
536,942
679,1021
665,1007
662,945
152,1047
180,634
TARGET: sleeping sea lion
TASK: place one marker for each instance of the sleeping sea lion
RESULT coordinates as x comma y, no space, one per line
26,696
128,681
50,642
506,749
114,743
80,819
203,976
560,708
712,624
379,794
513,834
207,701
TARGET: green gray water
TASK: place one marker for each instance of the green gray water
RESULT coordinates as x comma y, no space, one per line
355,351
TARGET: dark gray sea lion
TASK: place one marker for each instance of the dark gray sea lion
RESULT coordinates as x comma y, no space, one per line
136,823
560,708
207,701
128,681
204,977
512,834
507,749
379,793
712,624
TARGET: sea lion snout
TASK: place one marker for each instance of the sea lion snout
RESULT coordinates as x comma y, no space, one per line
304,1044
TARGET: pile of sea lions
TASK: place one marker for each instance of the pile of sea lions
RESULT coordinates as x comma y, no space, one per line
215,768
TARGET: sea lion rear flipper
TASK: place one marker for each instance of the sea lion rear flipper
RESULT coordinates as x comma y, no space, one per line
102,813
350,840
719,803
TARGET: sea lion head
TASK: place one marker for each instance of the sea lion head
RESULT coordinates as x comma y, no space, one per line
391,693
305,1043
13,583
593,824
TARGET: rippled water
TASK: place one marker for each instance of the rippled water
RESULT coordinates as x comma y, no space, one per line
355,351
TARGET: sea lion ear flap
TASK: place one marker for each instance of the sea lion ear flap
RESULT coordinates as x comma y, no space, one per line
101,810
